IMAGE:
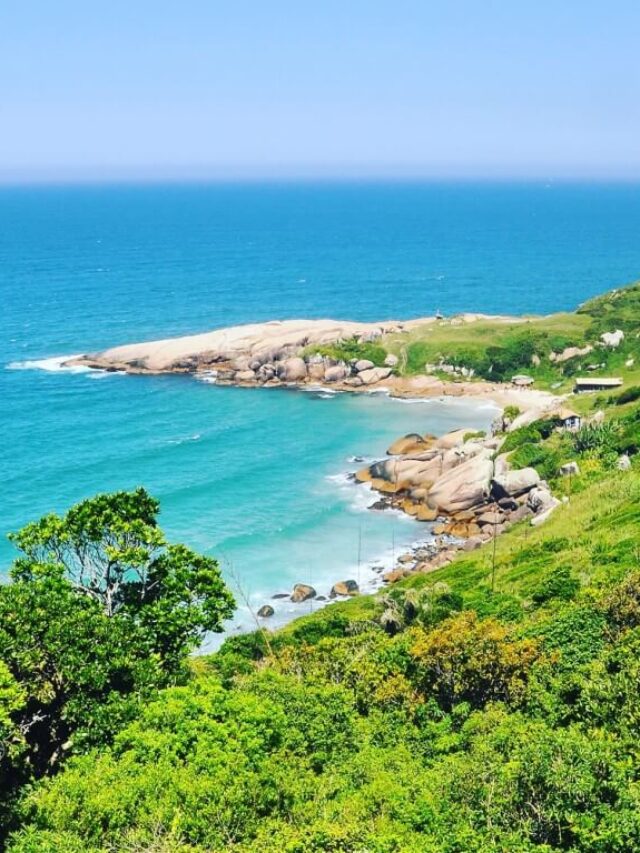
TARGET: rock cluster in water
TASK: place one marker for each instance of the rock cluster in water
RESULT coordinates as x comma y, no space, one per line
463,485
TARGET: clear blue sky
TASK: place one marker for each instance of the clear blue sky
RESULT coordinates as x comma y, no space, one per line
269,88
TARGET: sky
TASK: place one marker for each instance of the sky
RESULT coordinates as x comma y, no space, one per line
150,89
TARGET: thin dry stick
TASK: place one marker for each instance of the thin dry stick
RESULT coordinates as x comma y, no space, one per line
245,597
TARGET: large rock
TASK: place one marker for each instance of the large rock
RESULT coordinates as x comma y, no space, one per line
569,469
374,374
316,367
540,499
349,587
502,465
421,470
612,339
623,463
266,611
523,511
363,364
410,443
243,362
302,592
391,360
336,373
425,513
452,439
464,486
292,370
541,517
266,372
513,483
571,352
245,376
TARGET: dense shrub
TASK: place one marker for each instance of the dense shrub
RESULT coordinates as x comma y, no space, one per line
559,584
598,437
629,395
466,660
352,348
622,604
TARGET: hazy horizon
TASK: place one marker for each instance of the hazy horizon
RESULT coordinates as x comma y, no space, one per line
376,91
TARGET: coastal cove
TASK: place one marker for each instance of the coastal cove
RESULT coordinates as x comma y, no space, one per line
88,268
257,479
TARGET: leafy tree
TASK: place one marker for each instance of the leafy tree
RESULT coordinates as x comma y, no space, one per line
12,700
100,613
111,550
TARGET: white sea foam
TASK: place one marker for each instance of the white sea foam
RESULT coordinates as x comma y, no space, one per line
321,390
185,439
210,377
102,374
51,365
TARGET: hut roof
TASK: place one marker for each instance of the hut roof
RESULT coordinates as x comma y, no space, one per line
602,381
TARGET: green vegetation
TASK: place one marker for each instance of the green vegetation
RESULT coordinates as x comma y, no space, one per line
629,395
100,613
471,709
497,349
351,349
489,706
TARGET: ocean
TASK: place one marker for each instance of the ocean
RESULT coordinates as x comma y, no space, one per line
258,477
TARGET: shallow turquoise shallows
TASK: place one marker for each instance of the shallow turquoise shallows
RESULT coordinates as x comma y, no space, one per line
257,478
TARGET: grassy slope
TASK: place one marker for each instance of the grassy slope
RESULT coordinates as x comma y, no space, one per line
469,343
496,349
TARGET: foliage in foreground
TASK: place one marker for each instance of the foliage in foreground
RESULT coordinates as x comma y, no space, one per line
100,613
487,722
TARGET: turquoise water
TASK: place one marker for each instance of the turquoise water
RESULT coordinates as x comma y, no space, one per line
257,477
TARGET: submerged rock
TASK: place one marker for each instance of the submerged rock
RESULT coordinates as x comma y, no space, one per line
302,592
349,587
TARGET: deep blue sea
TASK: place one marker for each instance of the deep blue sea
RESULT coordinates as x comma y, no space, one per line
257,477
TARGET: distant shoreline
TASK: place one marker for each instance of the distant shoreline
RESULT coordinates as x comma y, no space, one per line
280,354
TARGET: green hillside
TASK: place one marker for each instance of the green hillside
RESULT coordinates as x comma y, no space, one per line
495,349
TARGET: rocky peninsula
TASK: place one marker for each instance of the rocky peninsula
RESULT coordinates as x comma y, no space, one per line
292,353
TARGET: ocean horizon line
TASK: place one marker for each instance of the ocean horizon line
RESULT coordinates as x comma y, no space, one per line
315,180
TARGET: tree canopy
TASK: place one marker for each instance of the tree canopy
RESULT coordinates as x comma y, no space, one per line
99,614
